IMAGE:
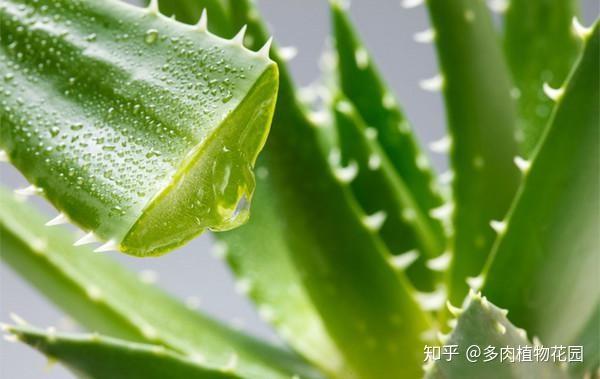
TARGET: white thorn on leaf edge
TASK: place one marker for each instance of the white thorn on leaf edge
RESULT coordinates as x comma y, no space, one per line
425,36
404,260
202,24
108,246
153,6
454,311
498,6
348,173
442,212
87,239
408,4
440,263
61,219
287,53
17,319
498,226
475,283
232,363
580,30
264,51
522,164
375,221
3,156
28,191
433,84
432,301
553,93
441,146
238,39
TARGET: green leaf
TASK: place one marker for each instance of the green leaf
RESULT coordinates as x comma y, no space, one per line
481,120
366,309
95,356
383,194
540,47
260,258
485,326
361,83
544,266
104,297
138,128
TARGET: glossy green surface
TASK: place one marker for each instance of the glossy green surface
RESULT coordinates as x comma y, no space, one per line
544,268
360,81
540,47
104,297
98,357
140,129
481,123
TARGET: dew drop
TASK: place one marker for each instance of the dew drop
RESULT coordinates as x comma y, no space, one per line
151,36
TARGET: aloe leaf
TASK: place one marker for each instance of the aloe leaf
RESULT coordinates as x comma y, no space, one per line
95,356
138,128
376,174
483,325
481,119
540,47
360,81
549,249
104,297
342,266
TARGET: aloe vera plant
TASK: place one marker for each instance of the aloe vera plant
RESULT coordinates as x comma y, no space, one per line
145,130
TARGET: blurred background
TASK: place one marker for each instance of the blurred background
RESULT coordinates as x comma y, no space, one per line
192,273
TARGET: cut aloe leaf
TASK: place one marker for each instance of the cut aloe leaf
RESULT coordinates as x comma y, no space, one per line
360,81
138,128
104,297
481,120
544,266
483,327
95,356
540,47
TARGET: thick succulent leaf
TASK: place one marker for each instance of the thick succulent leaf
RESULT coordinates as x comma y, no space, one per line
95,356
139,128
544,268
481,120
484,325
104,297
266,274
376,175
364,306
540,47
361,83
